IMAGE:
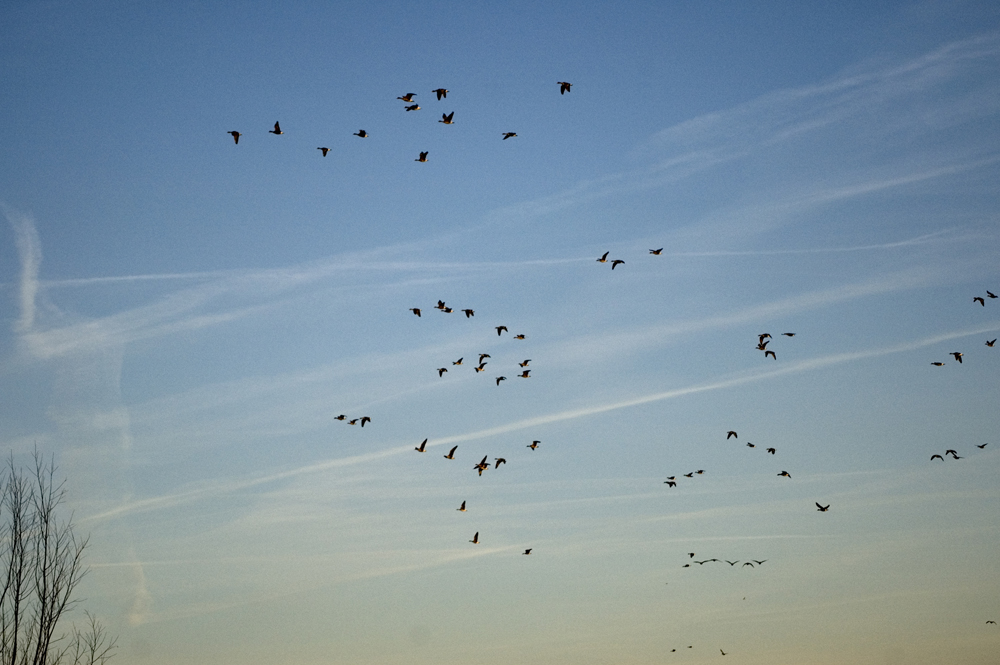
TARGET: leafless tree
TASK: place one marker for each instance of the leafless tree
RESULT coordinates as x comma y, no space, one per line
41,564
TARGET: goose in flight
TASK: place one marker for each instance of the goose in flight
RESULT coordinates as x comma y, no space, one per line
475,539
786,474
691,554
469,313
352,422
759,562
689,475
564,87
236,136
770,353
615,263
731,434
533,444
732,563
340,417
440,92
446,118
408,97
938,364
461,508
413,107
422,158
501,378
991,342
480,368
276,130
750,445
415,310
459,361
762,346
936,456
990,295
982,446
528,551
747,564
365,419
991,622
656,252
442,370
422,448
957,355
604,258
822,509
501,329
788,334
451,455
525,363
772,450
362,133
499,461
518,336
485,355
509,135
325,150
670,483
524,374
764,336
979,300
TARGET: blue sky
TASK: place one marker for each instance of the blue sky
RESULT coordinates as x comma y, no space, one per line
184,317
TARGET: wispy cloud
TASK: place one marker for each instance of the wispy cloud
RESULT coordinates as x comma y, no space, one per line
29,249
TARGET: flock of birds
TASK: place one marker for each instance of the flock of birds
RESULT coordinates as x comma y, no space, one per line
763,342
411,105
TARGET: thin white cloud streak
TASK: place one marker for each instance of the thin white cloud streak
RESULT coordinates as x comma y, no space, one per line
926,239
167,501
29,249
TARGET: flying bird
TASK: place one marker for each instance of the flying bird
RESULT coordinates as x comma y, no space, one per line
408,97
415,310
276,130
759,562
691,554
982,446
441,93
442,370
518,336
459,361
564,87
484,355
509,135
440,305
340,417
822,509
461,508
422,448
469,313
501,329
732,563
958,356
950,452
451,455
671,483
413,107
770,353
700,471
656,252
422,158
771,450
604,258
480,368
616,262
501,378
362,133
938,364
979,300
499,461
689,475
475,539
723,652
991,342
365,419
446,118
762,346
750,445
236,136
524,374
990,295
937,456
352,422
992,622
731,434
762,336
525,363
747,564
528,551
325,150
786,474
534,444
788,334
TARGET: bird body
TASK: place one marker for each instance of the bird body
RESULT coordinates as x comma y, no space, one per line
422,158
524,374
822,509
527,551
957,355
509,135
325,150
501,329
408,97
564,87
365,419
979,300
362,133
656,252
731,435
785,474
469,313
501,378
446,118
475,539
422,448
442,370
458,362
525,363
770,353
461,508
441,93
616,262
276,130
518,336
451,455
236,136
604,258
415,310
534,444
413,107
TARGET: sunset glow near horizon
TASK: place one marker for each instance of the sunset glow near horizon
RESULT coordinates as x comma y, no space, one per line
185,316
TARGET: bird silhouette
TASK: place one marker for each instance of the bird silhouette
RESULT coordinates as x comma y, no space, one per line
499,461
991,342
723,652
786,474
990,295
525,363
732,563
771,450
670,483
469,313
408,97
604,258
340,417
937,456
446,118
938,364
422,158
656,252
731,434
770,353
747,564
518,336
691,554
365,419
276,130
564,87
957,355
459,361
484,355
979,300
352,422
951,452
750,445
991,622
509,135
422,448
412,107
759,562
415,310
451,455
689,475
501,378
461,508
534,444
236,136
501,329
475,539
440,92
480,368
822,509
615,263
982,446
788,334
362,133
325,150
762,346
528,551
442,370
524,374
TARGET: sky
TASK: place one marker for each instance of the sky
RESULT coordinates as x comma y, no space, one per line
184,317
